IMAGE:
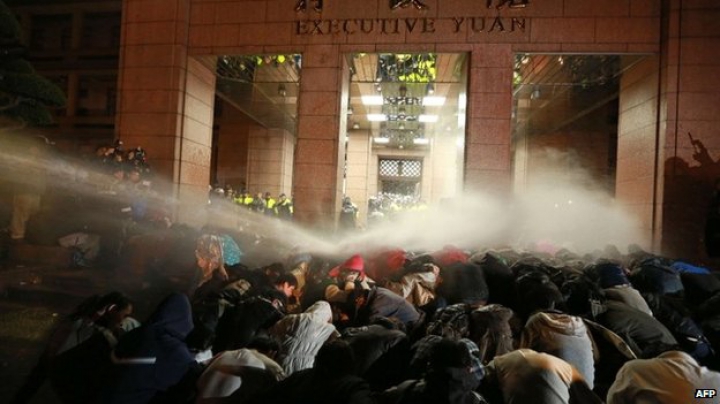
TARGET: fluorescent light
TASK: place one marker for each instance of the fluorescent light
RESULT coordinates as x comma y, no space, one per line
428,118
421,141
376,117
372,99
382,140
434,101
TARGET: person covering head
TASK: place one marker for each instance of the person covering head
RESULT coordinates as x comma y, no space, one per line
154,357
672,377
353,264
209,254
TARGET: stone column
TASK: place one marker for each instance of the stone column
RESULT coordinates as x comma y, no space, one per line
636,174
319,159
487,144
166,100
270,160
359,158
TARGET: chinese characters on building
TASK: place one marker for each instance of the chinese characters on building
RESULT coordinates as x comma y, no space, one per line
317,5
395,4
302,5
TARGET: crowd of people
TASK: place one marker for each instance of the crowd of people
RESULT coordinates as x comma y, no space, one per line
388,205
492,325
262,203
394,326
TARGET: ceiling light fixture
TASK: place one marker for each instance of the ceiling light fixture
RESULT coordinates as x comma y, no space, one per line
421,141
356,126
281,90
377,117
372,99
434,101
431,88
428,118
381,140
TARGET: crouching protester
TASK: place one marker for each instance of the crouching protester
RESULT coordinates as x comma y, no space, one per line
207,297
348,276
368,305
234,376
526,376
449,379
152,363
672,377
77,354
302,335
329,381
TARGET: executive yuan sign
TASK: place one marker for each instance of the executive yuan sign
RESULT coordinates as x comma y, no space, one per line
422,25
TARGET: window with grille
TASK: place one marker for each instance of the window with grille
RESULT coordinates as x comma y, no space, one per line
400,168
400,187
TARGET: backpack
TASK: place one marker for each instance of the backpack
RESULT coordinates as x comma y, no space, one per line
450,322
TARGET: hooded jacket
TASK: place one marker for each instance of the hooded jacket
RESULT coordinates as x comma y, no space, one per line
302,335
628,295
672,377
526,376
564,336
231,371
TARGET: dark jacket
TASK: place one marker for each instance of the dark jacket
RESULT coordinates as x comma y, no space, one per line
451,386
463,283
382,302
641,331
154,357
206,311
242,322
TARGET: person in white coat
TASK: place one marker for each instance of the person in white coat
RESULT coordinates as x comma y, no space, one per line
239,373
302,335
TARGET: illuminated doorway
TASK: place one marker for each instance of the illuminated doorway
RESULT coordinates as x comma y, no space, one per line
405,128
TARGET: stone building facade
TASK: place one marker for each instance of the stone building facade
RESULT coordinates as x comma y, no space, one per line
167,86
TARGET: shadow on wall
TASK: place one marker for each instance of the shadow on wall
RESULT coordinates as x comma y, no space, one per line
691,207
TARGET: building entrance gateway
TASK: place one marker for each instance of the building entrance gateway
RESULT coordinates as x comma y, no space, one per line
166,93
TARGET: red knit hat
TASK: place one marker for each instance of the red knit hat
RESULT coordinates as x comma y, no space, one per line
354,263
